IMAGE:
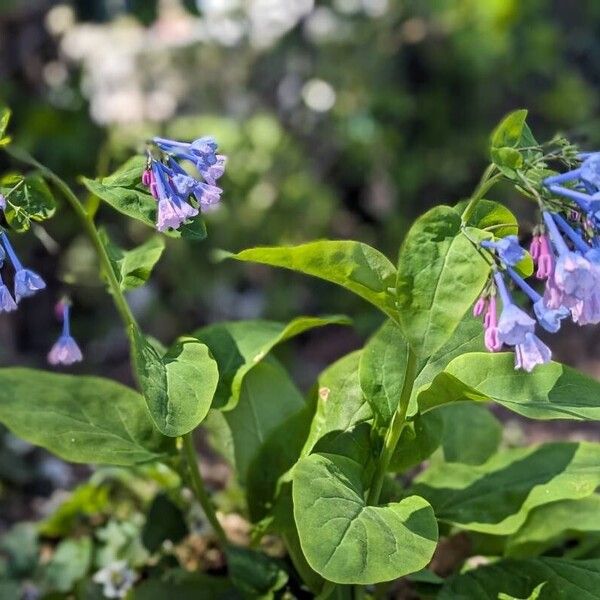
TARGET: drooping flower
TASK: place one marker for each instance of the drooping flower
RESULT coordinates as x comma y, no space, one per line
116,579
65,351
531,352
2,202
172,210
548,317
27,282
514,323
206,195
544,258
7,304
508,249
491,337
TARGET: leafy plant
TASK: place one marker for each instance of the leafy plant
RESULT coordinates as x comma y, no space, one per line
321,472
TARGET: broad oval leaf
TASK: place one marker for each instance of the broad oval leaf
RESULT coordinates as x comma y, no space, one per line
491,216
339,400
541,578
27,199
551,391
382,370
497,496
238,346
347,541
550,525
440,274
355,266
124,191
179,386
81,419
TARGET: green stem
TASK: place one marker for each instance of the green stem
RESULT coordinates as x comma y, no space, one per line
394,430
488,180
90,228
199,490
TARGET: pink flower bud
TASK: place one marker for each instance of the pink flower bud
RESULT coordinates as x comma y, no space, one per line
147,177
534,248
479,307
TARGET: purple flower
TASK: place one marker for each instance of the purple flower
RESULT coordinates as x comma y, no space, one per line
589,171
508,249
573,274
2,202
65,351
206,195
549,318
491,339
7,304
531,352
514,323
172,210
27,282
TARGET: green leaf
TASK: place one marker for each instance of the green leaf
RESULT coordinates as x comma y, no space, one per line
353,265
5,113
340,403
183,585
562,580
440,274
268,397
546,393
132,268
80,419
165,521
27,199
419,439
347,541
20,546
238,346
179,386
471,433
497,496
492,216
254,573
552,524
509,131
124,191
382,370
69,563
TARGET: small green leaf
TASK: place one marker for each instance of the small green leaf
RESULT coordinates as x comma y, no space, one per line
124,191
541,578
183,585
80,419
440,274
509,131
347,541
491,216
382,370
239,346
165,521
5,113
69,564
353,265
552,524
254,573
179,386
133,267
27,199
546,393
497,496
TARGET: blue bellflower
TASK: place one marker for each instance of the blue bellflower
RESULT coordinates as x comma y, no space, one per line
65,351
27,282
508,249
514,323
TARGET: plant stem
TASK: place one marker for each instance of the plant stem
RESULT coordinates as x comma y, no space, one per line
488,180
394,430
90,228
199,490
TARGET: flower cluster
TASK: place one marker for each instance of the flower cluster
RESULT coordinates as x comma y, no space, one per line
26,283
179,195
566,251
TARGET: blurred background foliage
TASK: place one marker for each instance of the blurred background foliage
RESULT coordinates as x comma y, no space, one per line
341,118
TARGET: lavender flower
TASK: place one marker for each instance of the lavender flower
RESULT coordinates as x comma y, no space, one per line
514,323
2,202
7,304
508,249
27,282
65,351
531,352
172,209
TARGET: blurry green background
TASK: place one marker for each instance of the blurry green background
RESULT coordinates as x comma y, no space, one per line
341,118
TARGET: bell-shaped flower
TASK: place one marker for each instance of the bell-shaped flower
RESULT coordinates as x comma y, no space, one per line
26,281
65,351
531,352
7,303
514,323
549,318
